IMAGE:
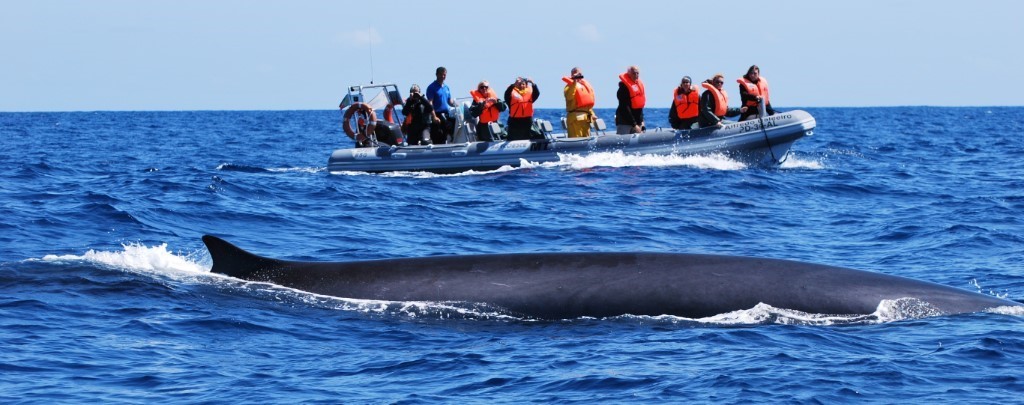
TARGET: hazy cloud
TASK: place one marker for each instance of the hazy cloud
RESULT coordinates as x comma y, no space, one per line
588,32
360,37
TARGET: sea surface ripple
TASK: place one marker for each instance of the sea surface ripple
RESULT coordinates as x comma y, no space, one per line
106,294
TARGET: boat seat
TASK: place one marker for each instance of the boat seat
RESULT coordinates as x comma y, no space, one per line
544,126
464,134
599,125
496,132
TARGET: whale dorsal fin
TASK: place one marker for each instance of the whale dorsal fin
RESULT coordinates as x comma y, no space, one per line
234,261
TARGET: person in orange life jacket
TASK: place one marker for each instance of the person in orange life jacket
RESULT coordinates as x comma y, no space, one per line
440,96
579,104
520,97
487,106
421,115
753,88
714,103
629,116
685,99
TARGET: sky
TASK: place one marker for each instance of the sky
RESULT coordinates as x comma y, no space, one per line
303,54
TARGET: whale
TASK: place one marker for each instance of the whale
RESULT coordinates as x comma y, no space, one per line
559,286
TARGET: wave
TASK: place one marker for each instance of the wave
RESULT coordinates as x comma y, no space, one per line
139,258
799,162
618,159
231,167
297,169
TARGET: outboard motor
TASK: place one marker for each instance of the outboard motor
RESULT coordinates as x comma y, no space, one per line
389,133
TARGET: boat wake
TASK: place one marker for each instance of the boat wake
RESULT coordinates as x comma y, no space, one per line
297,170
194,267
573,162
799,162
618,159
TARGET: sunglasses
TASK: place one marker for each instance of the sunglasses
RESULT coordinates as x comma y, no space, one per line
484,87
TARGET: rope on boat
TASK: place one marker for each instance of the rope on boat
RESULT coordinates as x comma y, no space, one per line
760,118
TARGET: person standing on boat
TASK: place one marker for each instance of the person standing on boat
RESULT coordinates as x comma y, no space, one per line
579,104
714,103
487,106
753,89
629,116
421,116
685,100
440,96
520,97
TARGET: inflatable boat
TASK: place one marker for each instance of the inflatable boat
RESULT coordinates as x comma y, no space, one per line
762,140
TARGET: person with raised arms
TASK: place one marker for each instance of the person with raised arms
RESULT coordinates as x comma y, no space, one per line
579,104
420,116
520,97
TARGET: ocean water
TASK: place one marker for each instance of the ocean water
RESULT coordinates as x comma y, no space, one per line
106,294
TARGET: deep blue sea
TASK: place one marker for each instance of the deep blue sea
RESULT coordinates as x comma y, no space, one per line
106,294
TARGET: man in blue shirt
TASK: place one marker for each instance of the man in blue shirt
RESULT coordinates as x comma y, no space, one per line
440,96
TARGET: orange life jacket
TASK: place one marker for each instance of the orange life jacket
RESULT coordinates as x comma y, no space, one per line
637,97
721,99
755,89
521,105
584,93
686,104
490,113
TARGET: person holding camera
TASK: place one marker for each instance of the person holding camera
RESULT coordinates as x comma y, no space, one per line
579,104
520,97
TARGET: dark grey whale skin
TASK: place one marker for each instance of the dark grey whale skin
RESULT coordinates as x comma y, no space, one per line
573,285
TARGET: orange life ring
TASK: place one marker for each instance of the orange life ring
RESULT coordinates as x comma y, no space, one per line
367,111
389,113
389,116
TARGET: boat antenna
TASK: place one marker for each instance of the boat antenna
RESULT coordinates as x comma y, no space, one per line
369,36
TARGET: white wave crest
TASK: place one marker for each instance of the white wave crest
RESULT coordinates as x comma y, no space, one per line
887,311
616,159
764,314
312,170
715,161
796,162
1016,310
140,258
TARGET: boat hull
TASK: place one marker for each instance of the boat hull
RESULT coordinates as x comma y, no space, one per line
764,141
